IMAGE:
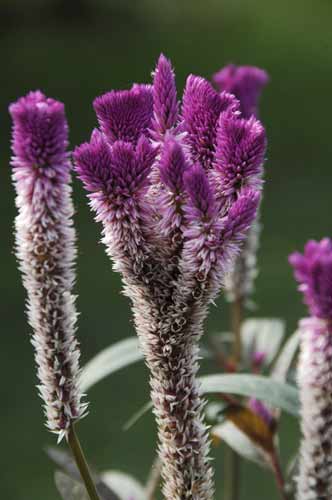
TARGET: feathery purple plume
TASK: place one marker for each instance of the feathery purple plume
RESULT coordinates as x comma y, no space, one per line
241,214
165,105
125,114
200,193
45,247
172,241
93,163
172,166
313,271
245,82
201,109
240,151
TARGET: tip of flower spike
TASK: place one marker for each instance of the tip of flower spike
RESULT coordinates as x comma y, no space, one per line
199,190
125,114
40,131
313,272
245,82
201,108
240,152
93,163
241,214
130,166
165,105
173,166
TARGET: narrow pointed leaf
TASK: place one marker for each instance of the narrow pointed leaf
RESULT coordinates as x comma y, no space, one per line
263,336
64,460
126,487
239,442
113,358
68,488
278,394
286,357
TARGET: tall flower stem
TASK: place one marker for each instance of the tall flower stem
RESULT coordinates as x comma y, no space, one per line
231,458
231,474
236,312
78,454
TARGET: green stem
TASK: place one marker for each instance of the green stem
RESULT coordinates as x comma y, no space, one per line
231,458
153,479
236,321
231,474
277,472
82,464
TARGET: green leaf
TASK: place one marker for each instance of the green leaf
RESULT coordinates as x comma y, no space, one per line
135,417
263,335
64,460
239,442
125,487
278,394
286,357
113,358
68,488
247,433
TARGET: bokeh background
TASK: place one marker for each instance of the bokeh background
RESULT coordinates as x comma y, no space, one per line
74,50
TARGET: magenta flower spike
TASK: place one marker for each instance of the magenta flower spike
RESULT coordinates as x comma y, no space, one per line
245,82
165,104
313,271
240,151
243,140
201,109
45,247
125,114
173,241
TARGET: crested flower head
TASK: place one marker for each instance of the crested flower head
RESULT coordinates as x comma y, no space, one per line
93,163
40,134
200,191
313,271
165,105
125,114
45,248
240,151
172,237
245,82
117,169
201,109
172,166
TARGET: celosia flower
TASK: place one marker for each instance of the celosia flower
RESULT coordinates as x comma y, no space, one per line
165,105
201,109
45,247
125,114
245,82
172,240
240,150
313,270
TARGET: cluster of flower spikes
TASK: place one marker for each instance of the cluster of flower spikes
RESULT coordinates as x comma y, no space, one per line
45,247
176,188
246,83
313,271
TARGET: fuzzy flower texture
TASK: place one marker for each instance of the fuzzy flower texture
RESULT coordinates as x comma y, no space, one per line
246,83
45,248
176,187
313,271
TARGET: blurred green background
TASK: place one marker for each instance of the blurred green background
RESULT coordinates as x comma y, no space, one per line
75,50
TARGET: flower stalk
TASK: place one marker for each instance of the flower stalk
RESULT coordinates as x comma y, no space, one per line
159,182
313,271
45,248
